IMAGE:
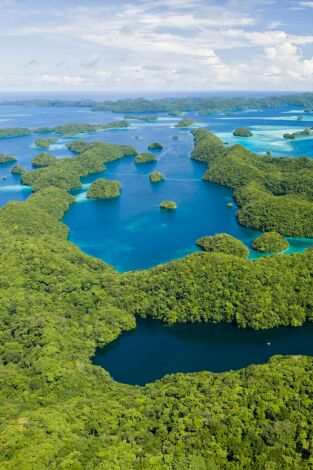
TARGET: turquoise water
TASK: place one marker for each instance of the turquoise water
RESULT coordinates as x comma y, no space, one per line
154,349
132,232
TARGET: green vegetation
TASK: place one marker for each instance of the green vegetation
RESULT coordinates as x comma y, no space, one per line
223,243
168,205
156,177
274,194
17,170
175,113
70,129
104,189
142,118
155,146
230,204
14,132
58,304
45,143
6,158
65,173
184,123
43,159
304,133
145,157
270,242
242,132
77,128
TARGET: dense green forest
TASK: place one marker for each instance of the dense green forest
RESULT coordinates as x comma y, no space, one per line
175,106
274,194
58,304
64,130
104,189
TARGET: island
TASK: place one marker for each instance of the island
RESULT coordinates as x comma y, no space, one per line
104,189
79,128
270,242
184,123
156,177
145,157
17,170
266,188
14,132
45,142
168,205
155,146
6,158
242,132
142,118
174,113
43,159
223,243
304,133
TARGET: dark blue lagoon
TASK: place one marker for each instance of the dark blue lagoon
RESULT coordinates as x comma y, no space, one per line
154,349
132,232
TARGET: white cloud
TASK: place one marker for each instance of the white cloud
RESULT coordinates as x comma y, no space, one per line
179,44
92,61
306,4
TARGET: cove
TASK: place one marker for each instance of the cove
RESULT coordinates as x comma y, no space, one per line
153,349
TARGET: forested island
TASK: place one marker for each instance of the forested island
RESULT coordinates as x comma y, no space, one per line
184,123
45,143
274,194
6,158
223,243
156,177
270,242
242,132
168,205
294,135
104,189
173,106
149,118
155,146
68,130
58,305
145,157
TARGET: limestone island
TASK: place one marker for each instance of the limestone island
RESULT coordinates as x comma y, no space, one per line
17,170
104,189
174,113
145,157
223,243
185,123
155,146
45,143
156,177
242,132
142,118
270,242
168,205
43,159
6,158
304,133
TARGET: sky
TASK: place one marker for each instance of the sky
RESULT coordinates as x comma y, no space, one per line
156,45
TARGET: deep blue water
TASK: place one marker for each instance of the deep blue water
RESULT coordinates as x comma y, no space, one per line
154,349
132,232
